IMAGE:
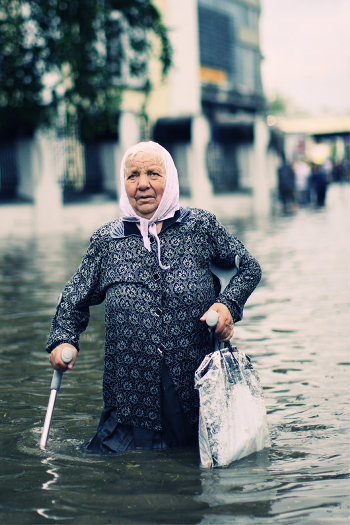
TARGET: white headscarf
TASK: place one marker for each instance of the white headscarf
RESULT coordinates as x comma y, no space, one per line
170,199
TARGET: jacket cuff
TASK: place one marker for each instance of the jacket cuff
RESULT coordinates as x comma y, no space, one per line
233,306
53,345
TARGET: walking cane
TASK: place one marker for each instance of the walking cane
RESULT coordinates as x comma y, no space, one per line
66,356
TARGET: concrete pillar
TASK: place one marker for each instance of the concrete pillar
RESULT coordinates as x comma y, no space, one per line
47,188
108,157
184,79
24,152
260,179
129,134
201,188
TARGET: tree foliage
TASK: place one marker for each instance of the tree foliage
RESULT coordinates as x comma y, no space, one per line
73,58
278,104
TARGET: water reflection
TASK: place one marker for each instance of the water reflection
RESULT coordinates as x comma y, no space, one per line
246,488
52,471
296,329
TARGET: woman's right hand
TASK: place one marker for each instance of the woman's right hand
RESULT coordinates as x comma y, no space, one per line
56,361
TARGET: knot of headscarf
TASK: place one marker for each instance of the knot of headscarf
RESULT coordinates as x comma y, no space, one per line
169,202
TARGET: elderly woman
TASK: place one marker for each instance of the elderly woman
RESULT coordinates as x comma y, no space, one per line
152,267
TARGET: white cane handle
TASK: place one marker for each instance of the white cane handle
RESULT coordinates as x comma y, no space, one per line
212,318
66,356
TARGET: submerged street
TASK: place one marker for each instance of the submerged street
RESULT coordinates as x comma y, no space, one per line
296,330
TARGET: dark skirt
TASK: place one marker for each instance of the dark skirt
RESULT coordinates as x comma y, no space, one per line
115,437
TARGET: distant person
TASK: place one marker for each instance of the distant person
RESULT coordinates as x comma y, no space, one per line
327,167
319,183
339,171
152,269
302,172
286,186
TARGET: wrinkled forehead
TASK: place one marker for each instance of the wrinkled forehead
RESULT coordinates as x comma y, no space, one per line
147,154
140,159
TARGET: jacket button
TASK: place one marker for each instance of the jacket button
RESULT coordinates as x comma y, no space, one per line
156,276
157,312
161,349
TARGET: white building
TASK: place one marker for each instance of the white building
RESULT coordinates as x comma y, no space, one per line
209,114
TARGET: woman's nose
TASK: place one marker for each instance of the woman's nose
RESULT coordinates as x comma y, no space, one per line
143,180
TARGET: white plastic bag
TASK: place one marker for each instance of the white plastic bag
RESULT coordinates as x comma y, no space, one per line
232,414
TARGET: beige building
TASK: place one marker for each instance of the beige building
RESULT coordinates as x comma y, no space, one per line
209,113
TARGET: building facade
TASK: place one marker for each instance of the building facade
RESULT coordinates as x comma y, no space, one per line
209,113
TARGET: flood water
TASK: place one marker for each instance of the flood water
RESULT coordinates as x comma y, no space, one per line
295,329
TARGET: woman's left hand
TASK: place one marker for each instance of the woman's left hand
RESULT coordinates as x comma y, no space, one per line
225,327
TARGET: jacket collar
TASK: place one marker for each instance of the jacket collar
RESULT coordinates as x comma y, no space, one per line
118,231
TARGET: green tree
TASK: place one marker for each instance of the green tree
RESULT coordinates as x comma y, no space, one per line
74,58
278,104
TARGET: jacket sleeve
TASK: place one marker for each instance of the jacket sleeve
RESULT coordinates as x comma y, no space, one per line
224,248
82,291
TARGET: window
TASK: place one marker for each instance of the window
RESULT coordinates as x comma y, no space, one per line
248,70
215,38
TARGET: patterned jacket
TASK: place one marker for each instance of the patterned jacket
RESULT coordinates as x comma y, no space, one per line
152,314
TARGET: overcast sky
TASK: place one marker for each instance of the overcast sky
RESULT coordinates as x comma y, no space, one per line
306,45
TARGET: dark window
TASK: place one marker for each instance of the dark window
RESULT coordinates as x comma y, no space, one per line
172,130
215,35
8,170
174,134
222,167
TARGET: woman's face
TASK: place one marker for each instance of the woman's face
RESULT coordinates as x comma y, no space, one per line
145,183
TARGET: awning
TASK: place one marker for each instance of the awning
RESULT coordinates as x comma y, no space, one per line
167,130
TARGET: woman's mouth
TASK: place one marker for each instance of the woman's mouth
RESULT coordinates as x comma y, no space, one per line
144,198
